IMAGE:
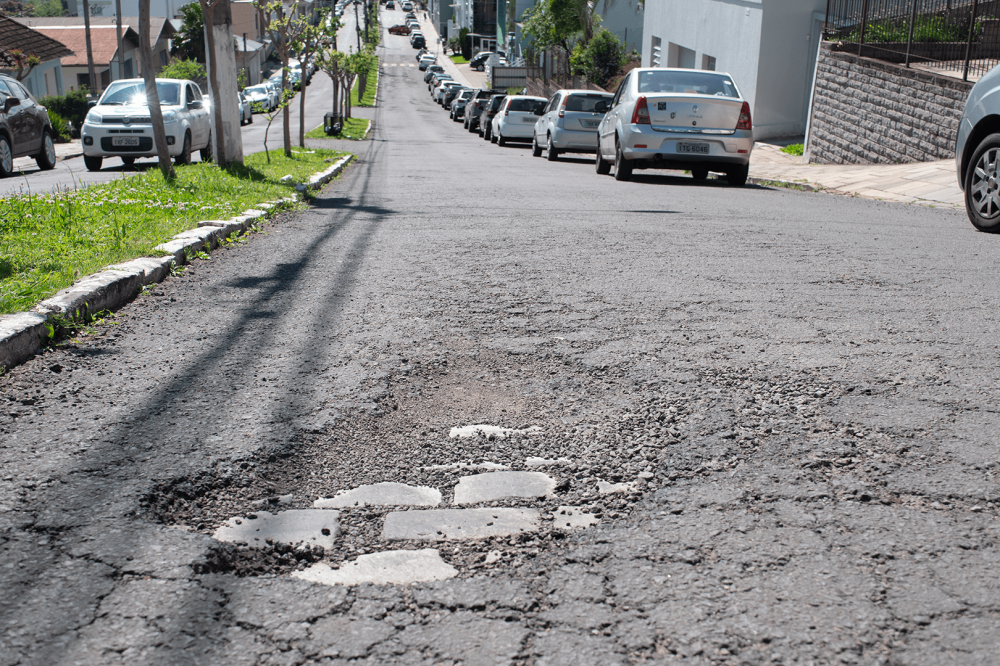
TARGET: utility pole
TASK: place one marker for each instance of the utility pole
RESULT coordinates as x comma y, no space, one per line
95,87
118,29
357,25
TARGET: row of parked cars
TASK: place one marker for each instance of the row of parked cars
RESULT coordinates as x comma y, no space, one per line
411,27
681,119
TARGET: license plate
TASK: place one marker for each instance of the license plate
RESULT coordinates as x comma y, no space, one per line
124,141
699,148
528,120
591,123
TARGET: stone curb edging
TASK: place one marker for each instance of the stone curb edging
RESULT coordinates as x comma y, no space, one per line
22,333
753,180
367,130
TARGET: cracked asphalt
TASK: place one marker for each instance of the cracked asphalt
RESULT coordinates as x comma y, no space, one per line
802,387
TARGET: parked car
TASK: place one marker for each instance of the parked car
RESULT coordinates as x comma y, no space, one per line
390,5
436,79
475,107
262,95
486,118
24,128
569,123
246,113
459,103
411,15
431,71
399,29
449,96
417,41
515,120
677,119
977,153
443,88
426,62
407,6
119,124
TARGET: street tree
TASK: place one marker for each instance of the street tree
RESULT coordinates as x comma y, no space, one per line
152,96
285,31
23,63
189,42
307,44
220,52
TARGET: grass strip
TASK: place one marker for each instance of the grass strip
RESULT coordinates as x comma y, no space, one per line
49,240
353,128
458,60
370,88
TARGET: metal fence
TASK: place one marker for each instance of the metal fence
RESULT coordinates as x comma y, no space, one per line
947,36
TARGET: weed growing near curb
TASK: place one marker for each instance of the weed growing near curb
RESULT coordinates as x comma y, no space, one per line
49,240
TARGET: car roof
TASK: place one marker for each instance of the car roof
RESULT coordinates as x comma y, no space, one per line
575,91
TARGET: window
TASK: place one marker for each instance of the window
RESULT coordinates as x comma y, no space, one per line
584,103
654,56
83,81
678,56
18,90
4,91
708,62
696,83
553,103
621,89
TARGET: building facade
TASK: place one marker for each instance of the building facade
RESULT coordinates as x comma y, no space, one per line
769,47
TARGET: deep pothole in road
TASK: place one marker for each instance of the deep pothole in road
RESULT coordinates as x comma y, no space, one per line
595,448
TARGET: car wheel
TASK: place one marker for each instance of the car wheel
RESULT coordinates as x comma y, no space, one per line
128,161
46,157
536,150
488,133
250,120
982,199
481,68
92,163
738,176
206,152
551,154
500,140
623,167
699,174
601,165
185,156
6,157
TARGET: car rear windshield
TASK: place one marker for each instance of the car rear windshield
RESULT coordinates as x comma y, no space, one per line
584,103
122,93
696,83
529,105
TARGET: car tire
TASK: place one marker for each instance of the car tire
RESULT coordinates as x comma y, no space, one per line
46,157
984,212
551,154
738,177
185,154
93,162
250,122
128,161
623,167
6,157
536,150
500,140
206,152
488,133
601,165
699,174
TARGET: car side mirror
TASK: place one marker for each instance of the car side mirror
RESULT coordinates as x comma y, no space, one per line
539,112
196,104
10,103
91,103
601,107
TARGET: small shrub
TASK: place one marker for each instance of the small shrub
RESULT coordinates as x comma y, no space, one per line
72,107
184,69
793,149
60,126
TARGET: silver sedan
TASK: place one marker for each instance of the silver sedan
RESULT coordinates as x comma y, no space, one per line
677,119
977,153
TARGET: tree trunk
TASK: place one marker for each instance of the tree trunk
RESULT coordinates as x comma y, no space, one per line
220,54
95,86
121,48
302,109
152,97
286,119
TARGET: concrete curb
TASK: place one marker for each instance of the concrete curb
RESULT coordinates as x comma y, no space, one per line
22,333
784,183
367,130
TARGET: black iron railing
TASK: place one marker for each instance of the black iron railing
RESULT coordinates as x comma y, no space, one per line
948,36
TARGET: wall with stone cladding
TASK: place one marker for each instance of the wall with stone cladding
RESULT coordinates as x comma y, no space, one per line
870,112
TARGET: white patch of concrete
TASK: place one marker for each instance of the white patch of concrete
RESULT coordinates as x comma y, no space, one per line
382,494
462,465
571,517
532,461
392,567
493,556
487,430
605,488
498,485
315,527
452,524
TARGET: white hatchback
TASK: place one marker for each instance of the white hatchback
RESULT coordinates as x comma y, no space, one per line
569,123
516,118
119,125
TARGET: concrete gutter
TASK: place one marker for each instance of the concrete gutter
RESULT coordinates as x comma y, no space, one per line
22,334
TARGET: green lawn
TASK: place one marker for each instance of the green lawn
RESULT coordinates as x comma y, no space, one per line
370,89
354,129
458,60
47,241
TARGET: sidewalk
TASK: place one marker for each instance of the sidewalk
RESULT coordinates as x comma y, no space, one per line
922,183
64,151
461,73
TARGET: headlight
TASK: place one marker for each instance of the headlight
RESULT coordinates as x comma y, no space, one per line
169,117
94,118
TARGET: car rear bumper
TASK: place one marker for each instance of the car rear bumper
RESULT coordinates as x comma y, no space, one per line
517,130
571,141
645,143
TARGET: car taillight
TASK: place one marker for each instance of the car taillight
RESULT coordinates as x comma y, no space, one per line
562,109
745,123
641,114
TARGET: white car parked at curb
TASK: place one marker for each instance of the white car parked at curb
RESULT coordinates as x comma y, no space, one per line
569,123
516,119
119,125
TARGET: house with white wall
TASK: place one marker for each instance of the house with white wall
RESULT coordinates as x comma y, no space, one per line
769,47
45,78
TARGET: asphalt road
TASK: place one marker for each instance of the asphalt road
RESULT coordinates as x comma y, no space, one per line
72,173
802,389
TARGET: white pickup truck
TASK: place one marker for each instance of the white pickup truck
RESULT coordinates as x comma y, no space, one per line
119,124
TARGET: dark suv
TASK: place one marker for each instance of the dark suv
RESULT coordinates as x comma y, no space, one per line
24,128
476,106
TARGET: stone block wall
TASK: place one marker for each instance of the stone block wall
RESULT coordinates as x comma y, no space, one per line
870,112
